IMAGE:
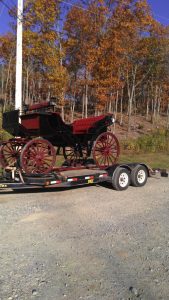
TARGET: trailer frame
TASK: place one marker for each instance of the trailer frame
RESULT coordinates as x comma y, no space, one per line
66,177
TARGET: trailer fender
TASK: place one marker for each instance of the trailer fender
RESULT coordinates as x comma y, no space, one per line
113,168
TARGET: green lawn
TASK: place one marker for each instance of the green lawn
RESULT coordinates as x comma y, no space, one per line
154,160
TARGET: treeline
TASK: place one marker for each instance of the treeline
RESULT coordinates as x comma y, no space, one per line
97,56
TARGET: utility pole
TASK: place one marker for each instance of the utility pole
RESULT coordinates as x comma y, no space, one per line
18,84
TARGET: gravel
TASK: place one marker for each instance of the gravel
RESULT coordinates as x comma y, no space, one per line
86,243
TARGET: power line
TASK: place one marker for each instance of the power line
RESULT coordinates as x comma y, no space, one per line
14,4
6,5
77,6
85,9
74,5
9,8
2,10
12,1
162,17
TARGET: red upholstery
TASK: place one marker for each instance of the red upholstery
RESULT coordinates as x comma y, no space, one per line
83,125
31,121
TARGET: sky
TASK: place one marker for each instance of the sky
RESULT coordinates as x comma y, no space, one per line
160,9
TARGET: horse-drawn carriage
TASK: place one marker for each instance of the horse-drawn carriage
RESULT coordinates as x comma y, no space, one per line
41,135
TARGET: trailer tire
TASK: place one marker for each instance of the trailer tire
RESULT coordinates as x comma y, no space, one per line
139,176
121,179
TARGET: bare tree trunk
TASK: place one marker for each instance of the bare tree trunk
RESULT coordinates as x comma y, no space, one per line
72,108
147,105
155,104
2,81
86,100
49,93
121,106
24,88
135,108
116,104
63,113
83,105
110,103
39,89
27,87
168,117
33,92
131,91
10,88
7,80
159,103
115,111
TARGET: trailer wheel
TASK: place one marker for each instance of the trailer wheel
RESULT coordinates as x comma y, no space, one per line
139,176
121,179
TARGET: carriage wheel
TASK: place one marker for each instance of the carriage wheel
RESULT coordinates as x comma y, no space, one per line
38,157
2,161
75,154
10,152
106,150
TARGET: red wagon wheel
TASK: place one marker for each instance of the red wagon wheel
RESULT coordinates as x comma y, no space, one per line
38,157
74,154
2,161
10,152
106,150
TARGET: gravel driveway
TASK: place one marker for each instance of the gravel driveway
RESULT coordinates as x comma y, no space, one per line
86,243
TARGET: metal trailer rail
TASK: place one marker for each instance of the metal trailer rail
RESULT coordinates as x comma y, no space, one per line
119,176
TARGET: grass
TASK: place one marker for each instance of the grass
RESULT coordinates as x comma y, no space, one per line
152,149
154,160
158,141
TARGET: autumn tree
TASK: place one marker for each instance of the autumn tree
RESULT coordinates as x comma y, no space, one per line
107,56
84,28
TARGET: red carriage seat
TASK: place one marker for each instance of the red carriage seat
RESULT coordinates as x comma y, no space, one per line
82,126
44,123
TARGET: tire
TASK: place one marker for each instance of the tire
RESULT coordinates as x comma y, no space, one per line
139,176
121,179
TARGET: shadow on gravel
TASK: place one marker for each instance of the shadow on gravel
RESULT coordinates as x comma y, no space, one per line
44,190
105,185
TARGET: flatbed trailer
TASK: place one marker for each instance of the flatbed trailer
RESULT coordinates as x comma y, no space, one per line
118,176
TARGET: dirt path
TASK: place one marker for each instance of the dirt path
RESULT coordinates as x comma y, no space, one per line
86,243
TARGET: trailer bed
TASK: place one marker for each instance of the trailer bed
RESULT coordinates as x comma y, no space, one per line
66,178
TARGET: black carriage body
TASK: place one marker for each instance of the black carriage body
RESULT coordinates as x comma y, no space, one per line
10,123
50,126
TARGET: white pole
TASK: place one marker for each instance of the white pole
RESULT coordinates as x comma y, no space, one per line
18,85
